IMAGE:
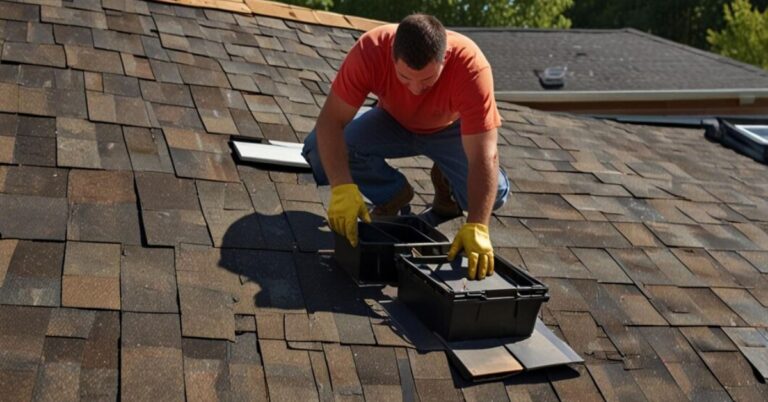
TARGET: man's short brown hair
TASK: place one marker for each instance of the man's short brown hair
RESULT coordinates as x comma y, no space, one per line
419,40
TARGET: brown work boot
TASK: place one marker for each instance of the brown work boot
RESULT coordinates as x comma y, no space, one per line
443,205
399,203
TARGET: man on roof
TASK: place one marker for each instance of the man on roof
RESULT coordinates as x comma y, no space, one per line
435,98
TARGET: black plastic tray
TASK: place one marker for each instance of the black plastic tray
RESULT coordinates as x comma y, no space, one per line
379,244
502,305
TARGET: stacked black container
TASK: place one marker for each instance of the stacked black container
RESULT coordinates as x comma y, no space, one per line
381,241
411,252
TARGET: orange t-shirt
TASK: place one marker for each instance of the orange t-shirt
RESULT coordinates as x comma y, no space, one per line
463,91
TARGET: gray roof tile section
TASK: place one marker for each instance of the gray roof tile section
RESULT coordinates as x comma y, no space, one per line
607,60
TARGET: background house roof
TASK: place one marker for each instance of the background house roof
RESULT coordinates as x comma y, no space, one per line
137,257
607,60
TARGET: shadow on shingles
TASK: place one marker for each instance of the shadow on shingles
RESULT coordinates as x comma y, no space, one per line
286,256
538,377
561,373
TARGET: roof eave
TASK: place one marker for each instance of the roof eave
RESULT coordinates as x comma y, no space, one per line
744,95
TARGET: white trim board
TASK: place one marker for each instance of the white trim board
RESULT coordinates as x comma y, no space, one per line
275,153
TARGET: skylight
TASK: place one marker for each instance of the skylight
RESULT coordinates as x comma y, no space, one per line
754,132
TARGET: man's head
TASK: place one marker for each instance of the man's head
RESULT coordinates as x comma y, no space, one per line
418,51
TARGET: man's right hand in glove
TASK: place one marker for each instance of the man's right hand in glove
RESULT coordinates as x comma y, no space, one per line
346,206
474,239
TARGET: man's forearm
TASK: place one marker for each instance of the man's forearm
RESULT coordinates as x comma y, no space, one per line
482,183
333,153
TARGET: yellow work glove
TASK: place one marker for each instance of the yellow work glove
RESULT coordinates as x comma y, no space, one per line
474,239
346,206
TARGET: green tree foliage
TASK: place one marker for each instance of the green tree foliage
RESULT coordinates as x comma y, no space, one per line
316,4
745,35
465,13
683,21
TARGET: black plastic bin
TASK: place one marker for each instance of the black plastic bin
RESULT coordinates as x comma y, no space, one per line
502,305
418,224
379,244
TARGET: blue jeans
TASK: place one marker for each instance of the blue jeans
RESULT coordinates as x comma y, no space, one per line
375,136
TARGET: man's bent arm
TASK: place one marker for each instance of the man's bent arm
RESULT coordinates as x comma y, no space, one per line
330,139
483,176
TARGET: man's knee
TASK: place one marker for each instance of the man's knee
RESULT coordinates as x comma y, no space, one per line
503,190
310,146
311,154
311,151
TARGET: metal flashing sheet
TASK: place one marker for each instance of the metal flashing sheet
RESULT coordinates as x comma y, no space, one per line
486,359
542,349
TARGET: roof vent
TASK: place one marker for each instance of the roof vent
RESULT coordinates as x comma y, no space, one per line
553,77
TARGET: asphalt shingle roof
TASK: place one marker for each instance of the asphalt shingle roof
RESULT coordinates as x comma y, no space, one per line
137,258
607,60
